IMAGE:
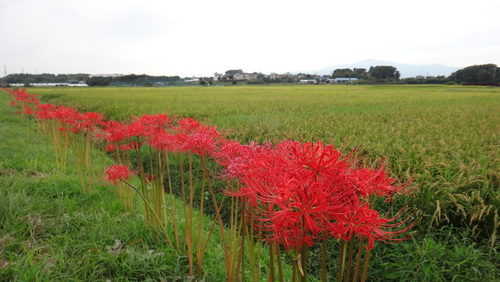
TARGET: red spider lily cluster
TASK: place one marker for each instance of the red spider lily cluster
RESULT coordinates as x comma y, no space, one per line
69,118
23,101
299,193
295,194
159,132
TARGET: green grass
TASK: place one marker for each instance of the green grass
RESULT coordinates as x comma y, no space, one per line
445,136
447,255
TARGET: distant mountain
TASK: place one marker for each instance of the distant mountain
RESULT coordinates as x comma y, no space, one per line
406,70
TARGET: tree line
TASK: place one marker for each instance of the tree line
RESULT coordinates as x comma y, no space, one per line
130,79
478,74
44,78
486,74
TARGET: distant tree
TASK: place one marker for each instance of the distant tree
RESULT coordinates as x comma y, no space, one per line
254,81
306,75
210,81
267,79
384,72
355,73
130,78
62,77
164,79
488,73
98,81
425,80
79,76
343,73
360,72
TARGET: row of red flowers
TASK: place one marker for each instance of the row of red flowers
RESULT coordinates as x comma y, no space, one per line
293,194
300,192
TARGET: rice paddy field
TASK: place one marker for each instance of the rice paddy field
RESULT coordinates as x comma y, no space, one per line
445,138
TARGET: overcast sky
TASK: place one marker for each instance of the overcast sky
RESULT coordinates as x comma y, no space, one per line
200,37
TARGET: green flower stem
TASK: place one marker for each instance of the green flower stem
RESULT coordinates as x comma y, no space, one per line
340,273
172,203
358,259
152,211
365,266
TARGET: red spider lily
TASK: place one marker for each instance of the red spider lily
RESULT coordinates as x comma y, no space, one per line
237,158
303,210
124,136
203,141
314,157
165,141
300,193
364,222
135,129
147,125
110,148
113,131
154,124
289,203
376,182
190,136
87,122
117,173
90,121
132,134
66,115
45,111
188,125
229,152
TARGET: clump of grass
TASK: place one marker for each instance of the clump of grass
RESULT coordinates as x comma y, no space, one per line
445,255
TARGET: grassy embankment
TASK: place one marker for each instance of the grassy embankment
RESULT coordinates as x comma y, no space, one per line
51,230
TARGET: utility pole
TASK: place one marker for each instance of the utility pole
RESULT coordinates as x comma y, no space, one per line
5,70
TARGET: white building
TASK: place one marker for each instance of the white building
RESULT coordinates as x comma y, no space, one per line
342,80
308,81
